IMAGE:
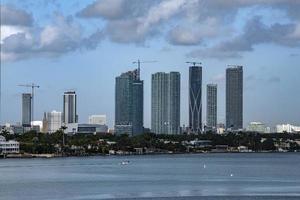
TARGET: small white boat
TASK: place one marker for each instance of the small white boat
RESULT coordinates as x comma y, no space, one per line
126,162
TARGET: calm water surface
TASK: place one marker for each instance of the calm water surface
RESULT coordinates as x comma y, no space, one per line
203,176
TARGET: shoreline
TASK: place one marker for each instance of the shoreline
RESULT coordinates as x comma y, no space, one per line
50,156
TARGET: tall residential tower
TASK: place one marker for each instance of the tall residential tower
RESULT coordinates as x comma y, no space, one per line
26,109
165,104
129,103
195,99
211,106
70,107
234,98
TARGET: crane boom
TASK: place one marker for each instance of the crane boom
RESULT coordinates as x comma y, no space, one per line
194,63
138,62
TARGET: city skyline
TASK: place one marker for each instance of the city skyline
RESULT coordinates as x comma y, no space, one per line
270,61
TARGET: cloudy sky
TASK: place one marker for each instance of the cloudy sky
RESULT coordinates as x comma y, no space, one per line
84,45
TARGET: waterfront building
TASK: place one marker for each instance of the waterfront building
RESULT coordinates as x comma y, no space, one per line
92,128
257,127
70,107
54,121
165,104
26,109
211,106
129,103
7,147
195,99
288,128
97,119
234,98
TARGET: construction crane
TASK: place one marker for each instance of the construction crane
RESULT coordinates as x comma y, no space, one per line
194,63
32,86
138,62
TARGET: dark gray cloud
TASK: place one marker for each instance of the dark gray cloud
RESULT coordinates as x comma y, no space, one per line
255,32
15,17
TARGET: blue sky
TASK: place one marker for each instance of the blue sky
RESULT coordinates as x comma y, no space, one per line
84,45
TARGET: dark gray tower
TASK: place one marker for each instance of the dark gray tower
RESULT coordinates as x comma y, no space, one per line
70,107
165,103
26,110
129,103
211,106
195,99
234,98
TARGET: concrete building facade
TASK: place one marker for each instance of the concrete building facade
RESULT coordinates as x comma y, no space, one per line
234,98
165,103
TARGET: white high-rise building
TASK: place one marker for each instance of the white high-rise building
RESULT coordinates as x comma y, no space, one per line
54,120
97,119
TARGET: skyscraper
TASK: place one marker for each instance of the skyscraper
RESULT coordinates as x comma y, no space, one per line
129,103
211,106
26,109
70,107
234,98
165,104
195,99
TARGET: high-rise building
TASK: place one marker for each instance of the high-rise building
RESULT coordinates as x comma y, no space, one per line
97,119
234,98
54,119
165,104
129,106
70,107
195,99
26,109
211,106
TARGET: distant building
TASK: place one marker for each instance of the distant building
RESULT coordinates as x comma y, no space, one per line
45,123
26,109
129,103
195,99
97,119
234,98
92,128
70,107
211,106
7,147
75,128
220,128
165,104
37,125
54,121
288,128
256,127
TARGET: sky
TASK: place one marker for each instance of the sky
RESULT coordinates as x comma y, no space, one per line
83,45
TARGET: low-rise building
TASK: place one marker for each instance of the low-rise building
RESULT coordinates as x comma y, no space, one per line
8,147
288,128
256,127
